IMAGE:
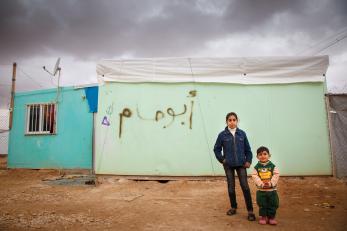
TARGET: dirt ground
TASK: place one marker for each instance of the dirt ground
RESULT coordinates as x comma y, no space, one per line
32,200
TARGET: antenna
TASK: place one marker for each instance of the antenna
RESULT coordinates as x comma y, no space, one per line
56,68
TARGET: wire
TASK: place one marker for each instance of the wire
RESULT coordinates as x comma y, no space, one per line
327,39
203,120
27,75
97,168
337,40
58,88
34,66
334,37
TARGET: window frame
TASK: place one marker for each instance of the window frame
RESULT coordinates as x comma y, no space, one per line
41,119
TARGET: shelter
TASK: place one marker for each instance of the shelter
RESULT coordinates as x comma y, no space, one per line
52,129
161,117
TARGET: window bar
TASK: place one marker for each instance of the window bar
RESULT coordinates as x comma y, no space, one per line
34,117
43,117
37,118
40,118
46,117
32,111
32,108
50,118
31,118
34,114
53,118
28,119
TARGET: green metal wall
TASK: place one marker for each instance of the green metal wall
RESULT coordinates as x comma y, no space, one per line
289,118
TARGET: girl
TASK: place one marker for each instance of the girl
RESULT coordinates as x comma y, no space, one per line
237,156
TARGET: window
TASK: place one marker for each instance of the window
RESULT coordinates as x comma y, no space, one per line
41,119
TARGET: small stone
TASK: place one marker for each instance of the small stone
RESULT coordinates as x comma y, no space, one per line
122,180
307,210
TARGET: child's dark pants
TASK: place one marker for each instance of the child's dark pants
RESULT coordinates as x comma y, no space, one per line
268,203
242,175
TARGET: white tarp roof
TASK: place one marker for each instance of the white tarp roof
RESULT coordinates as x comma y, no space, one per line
248,70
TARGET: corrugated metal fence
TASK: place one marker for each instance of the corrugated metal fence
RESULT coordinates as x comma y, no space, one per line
4,133
338,132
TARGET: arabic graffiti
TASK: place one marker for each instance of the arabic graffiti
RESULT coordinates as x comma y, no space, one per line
191,115
158,115
125,113
192,93
109,110
171,112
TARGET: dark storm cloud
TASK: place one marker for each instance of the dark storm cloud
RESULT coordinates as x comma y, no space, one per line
313,17
250,14
76,27
93,29
96,28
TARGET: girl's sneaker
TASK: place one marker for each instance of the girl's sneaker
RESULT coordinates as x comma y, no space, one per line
262,220
251,216
231,212
272,221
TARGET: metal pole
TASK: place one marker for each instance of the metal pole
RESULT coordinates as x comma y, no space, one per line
12,94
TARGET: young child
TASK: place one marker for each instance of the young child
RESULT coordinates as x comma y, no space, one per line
265,175
237,156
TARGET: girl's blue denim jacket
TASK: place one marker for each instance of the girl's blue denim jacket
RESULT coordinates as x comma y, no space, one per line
236,150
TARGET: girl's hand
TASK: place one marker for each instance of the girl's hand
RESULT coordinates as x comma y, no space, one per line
267,185
247,165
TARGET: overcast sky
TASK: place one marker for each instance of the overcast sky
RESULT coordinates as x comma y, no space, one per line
35,32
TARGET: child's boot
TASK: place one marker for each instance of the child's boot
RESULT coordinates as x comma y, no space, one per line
272,221
262,220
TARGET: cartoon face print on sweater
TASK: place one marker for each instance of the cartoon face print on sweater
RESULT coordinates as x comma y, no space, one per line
265,174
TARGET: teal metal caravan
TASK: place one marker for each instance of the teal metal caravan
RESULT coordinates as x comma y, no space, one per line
52,129
161,117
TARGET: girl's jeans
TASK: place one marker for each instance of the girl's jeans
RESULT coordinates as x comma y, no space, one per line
242,175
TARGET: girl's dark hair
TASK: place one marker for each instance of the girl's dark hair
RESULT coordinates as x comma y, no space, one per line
262,149
231,114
